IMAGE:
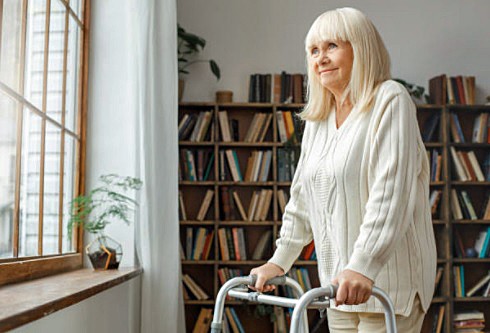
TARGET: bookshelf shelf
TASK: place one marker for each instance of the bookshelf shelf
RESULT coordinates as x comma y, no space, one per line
471,299
195,183
245,223
471,260
470,145
469,222
198,262
205,272
466,183
196,144
247,144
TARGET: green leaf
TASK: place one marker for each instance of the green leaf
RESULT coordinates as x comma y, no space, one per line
215,69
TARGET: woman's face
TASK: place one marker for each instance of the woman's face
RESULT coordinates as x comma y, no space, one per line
332,62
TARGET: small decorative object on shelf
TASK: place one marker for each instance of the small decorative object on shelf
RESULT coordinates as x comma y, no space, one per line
224,96
96,210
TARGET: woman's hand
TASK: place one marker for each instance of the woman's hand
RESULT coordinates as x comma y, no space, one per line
354,288
265,272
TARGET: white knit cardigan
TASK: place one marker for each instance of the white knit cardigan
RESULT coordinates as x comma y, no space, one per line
380,222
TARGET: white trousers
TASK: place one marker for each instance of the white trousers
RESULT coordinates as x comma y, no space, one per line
361,322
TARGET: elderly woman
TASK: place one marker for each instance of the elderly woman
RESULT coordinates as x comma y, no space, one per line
361,188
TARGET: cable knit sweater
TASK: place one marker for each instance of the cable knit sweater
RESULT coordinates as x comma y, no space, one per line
362,193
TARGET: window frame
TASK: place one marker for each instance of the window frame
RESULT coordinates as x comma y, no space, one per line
17,269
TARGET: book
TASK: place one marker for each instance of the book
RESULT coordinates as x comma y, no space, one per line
205,205
239,205
203,321
182,210
194,288
438,90
479,285
262,244
440,318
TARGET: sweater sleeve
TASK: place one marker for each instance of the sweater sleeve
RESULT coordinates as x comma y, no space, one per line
295,231
392,183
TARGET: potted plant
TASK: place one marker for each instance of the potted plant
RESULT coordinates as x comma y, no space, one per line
95,210
417,92
189,45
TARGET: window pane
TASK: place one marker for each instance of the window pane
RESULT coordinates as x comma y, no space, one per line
30,177
10,43
72,78
9,110
76,6
51,206
68,188
55,60
36,26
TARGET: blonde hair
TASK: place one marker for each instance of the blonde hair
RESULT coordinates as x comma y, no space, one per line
370,67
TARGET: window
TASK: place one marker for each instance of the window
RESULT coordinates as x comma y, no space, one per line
42,85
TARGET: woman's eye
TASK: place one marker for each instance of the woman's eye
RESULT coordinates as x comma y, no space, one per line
332,46
315,51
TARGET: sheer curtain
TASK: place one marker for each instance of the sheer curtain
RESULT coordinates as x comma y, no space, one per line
154,70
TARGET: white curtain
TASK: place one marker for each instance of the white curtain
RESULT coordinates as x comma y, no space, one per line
154,70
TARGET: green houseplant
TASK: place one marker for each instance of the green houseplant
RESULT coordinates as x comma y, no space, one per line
189,45
417,92
98,208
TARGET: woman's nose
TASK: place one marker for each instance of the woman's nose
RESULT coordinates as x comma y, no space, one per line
322,58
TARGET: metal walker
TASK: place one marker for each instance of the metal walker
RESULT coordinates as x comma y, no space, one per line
317,298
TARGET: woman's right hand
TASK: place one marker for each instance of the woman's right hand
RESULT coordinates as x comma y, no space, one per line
264,273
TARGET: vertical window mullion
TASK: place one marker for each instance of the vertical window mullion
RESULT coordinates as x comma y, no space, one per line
62,148
43,128
82,116
20,118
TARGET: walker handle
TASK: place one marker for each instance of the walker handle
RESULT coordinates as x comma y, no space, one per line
276,281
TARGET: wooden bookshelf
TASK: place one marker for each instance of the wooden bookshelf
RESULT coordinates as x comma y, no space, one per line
205,272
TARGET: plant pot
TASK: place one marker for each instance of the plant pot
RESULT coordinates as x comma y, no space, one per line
181,89
104,253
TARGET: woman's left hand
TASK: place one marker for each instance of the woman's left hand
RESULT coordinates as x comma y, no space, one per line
354,288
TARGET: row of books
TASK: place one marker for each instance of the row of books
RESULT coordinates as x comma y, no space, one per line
301,276
430,127
193,288
286,127
435,159
198,243
438,322
204,320
196,128
466,165
258,166
280,88
480,133
231,322
481,247
452,90
480,288
462,206
308,252
469,322
258,209
232,244
434,199
287,160
190,170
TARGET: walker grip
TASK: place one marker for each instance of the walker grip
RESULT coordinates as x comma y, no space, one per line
277,281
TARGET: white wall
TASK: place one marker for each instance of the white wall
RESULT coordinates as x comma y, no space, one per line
424,38
110,137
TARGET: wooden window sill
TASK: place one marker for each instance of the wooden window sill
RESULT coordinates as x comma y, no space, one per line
25,302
